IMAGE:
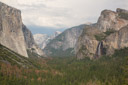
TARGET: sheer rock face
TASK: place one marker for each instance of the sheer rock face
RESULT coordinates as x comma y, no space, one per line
117,40
87,43
64,43
28,37
110,20
30,43
11,34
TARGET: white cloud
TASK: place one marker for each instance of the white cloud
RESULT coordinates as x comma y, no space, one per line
63,13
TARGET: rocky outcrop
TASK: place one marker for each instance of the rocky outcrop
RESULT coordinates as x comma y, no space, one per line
108,37
28,37
11,34
110,20
30,43
87,43
63,45
122,13
117,40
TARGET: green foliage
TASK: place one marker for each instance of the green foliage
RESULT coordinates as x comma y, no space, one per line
108,32
8,56
69,71
123,15
102,36
32,54
62,53
82,49
33,49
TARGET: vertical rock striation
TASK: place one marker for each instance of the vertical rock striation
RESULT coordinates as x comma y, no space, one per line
117,40
30,43
11,34
87,43
63,45
110,20
112,28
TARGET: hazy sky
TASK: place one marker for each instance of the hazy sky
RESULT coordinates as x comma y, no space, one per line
63,13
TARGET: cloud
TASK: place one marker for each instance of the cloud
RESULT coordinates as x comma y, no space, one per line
63,13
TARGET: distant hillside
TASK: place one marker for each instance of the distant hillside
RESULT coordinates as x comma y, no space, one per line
63,45
43,39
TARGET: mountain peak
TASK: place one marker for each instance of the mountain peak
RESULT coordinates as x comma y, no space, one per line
111,20
119,10
11,34
106,12
114,31
43,39
9,7
58,32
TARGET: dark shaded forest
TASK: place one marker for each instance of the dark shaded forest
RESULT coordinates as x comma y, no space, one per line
108,70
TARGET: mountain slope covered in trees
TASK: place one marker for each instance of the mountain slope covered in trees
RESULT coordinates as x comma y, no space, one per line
108,70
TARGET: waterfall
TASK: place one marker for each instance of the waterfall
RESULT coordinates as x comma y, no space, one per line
99,49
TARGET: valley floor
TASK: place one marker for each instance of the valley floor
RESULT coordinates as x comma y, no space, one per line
69,71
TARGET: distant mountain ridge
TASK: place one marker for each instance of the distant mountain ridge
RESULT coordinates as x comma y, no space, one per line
63,45
40,39
43,39
92,40
87,40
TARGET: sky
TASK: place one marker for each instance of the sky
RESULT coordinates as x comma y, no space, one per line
61,14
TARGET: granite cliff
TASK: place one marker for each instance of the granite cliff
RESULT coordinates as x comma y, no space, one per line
110,20
30,42
63,45
117,40
92,40
13,34
105,36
